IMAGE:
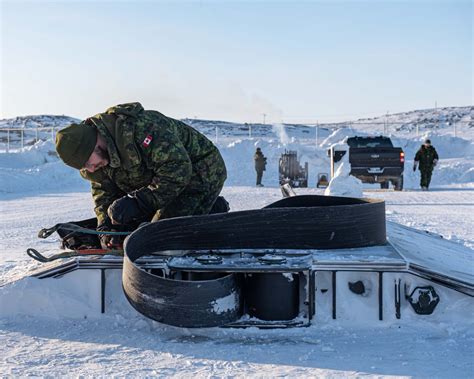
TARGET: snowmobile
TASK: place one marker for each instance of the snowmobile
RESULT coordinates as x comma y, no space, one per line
299,261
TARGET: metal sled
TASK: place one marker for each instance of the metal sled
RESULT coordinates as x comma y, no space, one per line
327,259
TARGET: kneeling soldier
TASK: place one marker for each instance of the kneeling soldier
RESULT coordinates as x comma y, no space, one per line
143,166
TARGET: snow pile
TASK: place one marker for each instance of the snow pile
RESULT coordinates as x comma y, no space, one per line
343,184
238,156
40,153
37,168
340,136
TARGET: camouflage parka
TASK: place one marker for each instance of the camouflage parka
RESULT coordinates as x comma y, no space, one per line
152,154
426,156
260,161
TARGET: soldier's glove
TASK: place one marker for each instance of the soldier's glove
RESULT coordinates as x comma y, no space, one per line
107,241
414,167
128,210
435,162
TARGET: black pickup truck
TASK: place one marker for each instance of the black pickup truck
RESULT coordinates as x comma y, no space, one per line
375,160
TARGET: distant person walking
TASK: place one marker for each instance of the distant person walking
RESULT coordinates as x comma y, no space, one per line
260,164
426,158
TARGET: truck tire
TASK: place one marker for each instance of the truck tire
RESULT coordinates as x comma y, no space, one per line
398,184
384,185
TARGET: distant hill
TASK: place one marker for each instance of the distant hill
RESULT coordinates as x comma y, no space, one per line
425,120
440,120
40,121
29,129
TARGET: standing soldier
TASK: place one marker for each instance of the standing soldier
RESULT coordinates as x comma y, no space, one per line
260,164
143,166
426,158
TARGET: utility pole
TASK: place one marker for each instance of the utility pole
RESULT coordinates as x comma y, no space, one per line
264,117
317,134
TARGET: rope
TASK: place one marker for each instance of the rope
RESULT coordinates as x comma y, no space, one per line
46,232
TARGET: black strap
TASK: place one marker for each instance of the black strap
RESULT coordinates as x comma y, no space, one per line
299,222
46,232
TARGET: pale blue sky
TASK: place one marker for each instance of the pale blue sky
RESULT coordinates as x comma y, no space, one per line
294,61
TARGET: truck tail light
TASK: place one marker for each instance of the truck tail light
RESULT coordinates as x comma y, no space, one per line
402,157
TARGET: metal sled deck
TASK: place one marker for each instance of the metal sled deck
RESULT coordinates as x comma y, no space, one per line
242,269
359,258
383,264
320,262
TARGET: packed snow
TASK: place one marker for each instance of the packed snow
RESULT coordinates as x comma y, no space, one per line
343,184
38,339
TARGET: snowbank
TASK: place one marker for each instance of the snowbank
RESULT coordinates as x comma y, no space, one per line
238,156
343,184
38,167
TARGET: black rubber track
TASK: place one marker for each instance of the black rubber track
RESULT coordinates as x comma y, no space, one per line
300,222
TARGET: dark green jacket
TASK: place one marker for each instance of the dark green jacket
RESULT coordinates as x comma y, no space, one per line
151,153
260,161
425,157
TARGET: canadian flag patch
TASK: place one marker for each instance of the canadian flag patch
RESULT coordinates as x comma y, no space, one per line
146,142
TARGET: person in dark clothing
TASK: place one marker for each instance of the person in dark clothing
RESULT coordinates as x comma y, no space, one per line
260,164
426,159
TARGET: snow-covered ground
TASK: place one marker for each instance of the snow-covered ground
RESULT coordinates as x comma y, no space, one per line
114,345
36,190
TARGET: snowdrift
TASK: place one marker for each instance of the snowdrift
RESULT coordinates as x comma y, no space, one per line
38,168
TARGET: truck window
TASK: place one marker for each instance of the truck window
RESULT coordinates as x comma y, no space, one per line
369,142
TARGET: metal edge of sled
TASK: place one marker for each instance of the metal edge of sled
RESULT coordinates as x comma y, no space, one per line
59,269
444,280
